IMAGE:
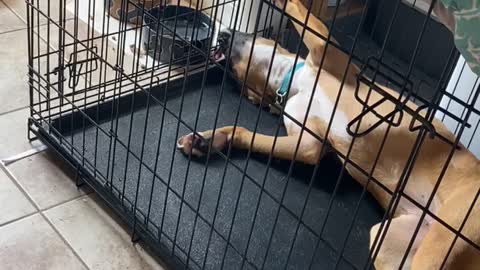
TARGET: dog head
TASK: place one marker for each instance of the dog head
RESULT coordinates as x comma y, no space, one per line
243,60
236,45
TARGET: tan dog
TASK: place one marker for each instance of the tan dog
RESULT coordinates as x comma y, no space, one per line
458,187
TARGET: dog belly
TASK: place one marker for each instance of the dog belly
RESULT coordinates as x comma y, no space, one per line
320,108
420,195
417,188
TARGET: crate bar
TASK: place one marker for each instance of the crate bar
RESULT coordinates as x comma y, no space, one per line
182,198
345,73
339,179
101,72
454,89
303,125
222,87
132,113
202,88
469,211
161,127
231,142
270,156
411,159
254,133
30,32
464,107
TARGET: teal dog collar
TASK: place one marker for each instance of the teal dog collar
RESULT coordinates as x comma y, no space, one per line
282,92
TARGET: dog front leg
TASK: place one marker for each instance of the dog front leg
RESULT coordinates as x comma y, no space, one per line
285,147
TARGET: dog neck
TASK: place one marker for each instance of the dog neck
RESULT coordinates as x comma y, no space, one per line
282,92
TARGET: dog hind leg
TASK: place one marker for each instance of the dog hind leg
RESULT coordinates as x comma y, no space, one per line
438,240
335,61
396,241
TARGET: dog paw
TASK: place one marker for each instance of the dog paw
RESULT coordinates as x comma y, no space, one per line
192,144
197,144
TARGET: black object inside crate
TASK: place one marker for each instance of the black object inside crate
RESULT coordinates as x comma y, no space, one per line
194,27
165,185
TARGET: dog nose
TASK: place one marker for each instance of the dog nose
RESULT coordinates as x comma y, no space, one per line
224,37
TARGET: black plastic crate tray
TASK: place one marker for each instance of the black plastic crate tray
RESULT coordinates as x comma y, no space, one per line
124,177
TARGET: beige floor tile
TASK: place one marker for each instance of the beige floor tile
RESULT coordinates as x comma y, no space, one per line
47,179
20,8
32,244
13,138
13,201
9,20
13,70
98,238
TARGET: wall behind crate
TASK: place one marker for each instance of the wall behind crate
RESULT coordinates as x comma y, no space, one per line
463,84
248,12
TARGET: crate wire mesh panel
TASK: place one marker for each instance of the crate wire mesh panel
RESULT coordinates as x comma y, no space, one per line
102,98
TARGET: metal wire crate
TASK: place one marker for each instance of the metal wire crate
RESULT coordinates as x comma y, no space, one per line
101,96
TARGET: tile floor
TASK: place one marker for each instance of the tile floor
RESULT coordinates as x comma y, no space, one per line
46,222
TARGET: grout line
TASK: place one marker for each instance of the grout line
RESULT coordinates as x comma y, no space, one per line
13,30
18,219
15,110
66,201
24,21
15,13
18,185
25,28
15,181
65,241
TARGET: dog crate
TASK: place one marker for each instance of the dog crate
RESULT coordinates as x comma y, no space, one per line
112,98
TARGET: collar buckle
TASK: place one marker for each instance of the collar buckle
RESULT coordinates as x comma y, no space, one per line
280,97
282,91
